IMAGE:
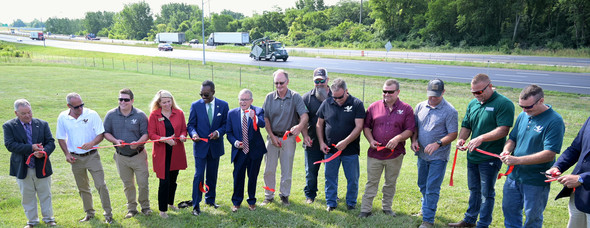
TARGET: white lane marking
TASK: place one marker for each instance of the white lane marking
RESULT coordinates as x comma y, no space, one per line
535,74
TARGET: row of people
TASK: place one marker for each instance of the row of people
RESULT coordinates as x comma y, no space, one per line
330,120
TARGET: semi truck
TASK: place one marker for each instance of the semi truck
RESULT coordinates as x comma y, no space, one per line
235,38
37,36
269,50
170,37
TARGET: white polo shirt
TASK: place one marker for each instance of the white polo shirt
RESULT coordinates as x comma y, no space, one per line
76,132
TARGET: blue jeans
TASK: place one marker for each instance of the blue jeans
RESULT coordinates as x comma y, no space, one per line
350,165
534,198
311,172
481,179
430,177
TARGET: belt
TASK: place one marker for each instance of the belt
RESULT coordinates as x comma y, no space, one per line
278,134
129,155
85,154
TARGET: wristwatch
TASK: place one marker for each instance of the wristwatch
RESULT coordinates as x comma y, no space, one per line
580,179
439,142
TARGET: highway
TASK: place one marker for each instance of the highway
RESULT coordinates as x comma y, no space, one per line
557,81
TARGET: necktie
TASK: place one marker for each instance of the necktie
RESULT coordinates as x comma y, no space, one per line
245,148
29,131
210,113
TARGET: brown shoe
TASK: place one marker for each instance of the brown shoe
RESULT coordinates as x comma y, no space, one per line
252,207
52,223
235,208
461,223
130,214
285,200
266,201
86,218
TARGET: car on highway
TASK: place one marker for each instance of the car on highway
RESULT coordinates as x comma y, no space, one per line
165,47
19,39
194,41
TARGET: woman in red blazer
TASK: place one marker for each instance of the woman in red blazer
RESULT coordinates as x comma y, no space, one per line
167,120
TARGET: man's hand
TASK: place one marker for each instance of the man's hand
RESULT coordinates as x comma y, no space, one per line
324,147
295,130
374,144
430,148
392,143
38,154
341,145
214,135
415,146
37,147
474,143
239,144
460,143
182,138
88,146
275,141
196,138
570,180
308,141
553,172
510,160
134,146
70,159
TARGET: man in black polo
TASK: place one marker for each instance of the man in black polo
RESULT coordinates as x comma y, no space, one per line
341,117
127,124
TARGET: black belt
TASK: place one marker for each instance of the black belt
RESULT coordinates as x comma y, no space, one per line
85,154
278,134
129,155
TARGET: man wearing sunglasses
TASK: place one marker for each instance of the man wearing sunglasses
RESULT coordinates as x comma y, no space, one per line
127,124
207,119
313,99
80,129
388,123
488,119
284,111
534,141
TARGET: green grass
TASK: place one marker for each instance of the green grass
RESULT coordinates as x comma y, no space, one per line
46,83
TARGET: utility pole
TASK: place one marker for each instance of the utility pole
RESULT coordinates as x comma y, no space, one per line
361,13
203,28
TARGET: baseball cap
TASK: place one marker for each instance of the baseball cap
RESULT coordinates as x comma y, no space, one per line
320,73
435,88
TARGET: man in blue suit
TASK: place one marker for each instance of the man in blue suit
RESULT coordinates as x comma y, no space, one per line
26,137
579,179
206,120
247,147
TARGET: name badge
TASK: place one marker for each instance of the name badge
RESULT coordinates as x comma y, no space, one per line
161,119
490,109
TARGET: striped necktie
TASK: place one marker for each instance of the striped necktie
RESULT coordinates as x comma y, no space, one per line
245,148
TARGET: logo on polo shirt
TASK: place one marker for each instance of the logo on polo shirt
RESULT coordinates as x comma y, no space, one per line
538,129
133,121
85,120
348,108
399,111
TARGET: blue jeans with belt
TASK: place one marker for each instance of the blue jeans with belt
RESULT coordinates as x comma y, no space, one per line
350,165
533,198
481,179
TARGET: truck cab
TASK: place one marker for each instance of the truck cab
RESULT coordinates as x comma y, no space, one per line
271,50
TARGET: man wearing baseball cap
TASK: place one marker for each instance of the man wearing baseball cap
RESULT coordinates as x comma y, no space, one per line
437,124
313,99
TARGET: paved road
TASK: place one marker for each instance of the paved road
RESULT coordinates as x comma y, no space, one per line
558,81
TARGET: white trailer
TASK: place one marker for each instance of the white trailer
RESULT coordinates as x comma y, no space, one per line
235,38
177,38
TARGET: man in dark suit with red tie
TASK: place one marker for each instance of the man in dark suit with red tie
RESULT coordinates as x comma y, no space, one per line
243,132
31,143
206,120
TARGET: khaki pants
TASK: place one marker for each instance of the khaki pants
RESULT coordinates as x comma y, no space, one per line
93,165
286,153
578,219
32,187
374,169
130,167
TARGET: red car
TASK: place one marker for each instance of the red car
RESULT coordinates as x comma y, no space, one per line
165,47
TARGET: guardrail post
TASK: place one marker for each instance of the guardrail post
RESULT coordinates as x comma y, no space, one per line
240,77
170,68
212,72
189,71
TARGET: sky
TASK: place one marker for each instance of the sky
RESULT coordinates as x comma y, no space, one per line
27,10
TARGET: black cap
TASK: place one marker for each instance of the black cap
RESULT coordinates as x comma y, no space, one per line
435,88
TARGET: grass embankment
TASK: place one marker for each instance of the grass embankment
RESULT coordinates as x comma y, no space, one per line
45,86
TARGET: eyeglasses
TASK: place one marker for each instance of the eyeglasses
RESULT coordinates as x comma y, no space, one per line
479,92
244,100
280,83
340,97
124,99
530,106
204,94
77,107
319,81
389,91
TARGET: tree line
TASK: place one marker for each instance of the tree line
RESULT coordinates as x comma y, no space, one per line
506,24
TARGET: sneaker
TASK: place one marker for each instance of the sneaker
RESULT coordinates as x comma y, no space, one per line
172,207
350,207
389,212
330,208
285,200
163,214
108,220
365,214
266,201
87,218
426,225
147,211
130,214
309,200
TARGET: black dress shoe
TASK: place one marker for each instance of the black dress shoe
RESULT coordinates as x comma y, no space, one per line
214,205
196,210
365,214
350,207
330,208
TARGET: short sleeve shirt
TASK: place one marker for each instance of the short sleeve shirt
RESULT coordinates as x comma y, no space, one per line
283,113
128,128
340,121
432,124
78,131
313,104
533,134
483,118
386,124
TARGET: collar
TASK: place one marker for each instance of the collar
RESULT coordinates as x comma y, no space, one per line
288,95
440,105
133,111
542,114
395,104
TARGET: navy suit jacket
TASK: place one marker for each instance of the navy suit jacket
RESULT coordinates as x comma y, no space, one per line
15,140
198,123
578,154
234,133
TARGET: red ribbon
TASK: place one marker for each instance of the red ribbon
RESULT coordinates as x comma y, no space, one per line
253,120
453,170
500,175
286,135
330,158
487,153
203,190
382,148
44,163
268,188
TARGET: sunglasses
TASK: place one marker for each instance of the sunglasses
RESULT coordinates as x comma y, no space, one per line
319,81
389,91
77,107
204,94
530,106
280,83
124,99
338,98
479,92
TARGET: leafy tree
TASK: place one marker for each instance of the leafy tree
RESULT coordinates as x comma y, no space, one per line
235,15
174,14
398,19
36,24
310,5
18,23
134,21
96,21
220,23
441,18
349,10
63,25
